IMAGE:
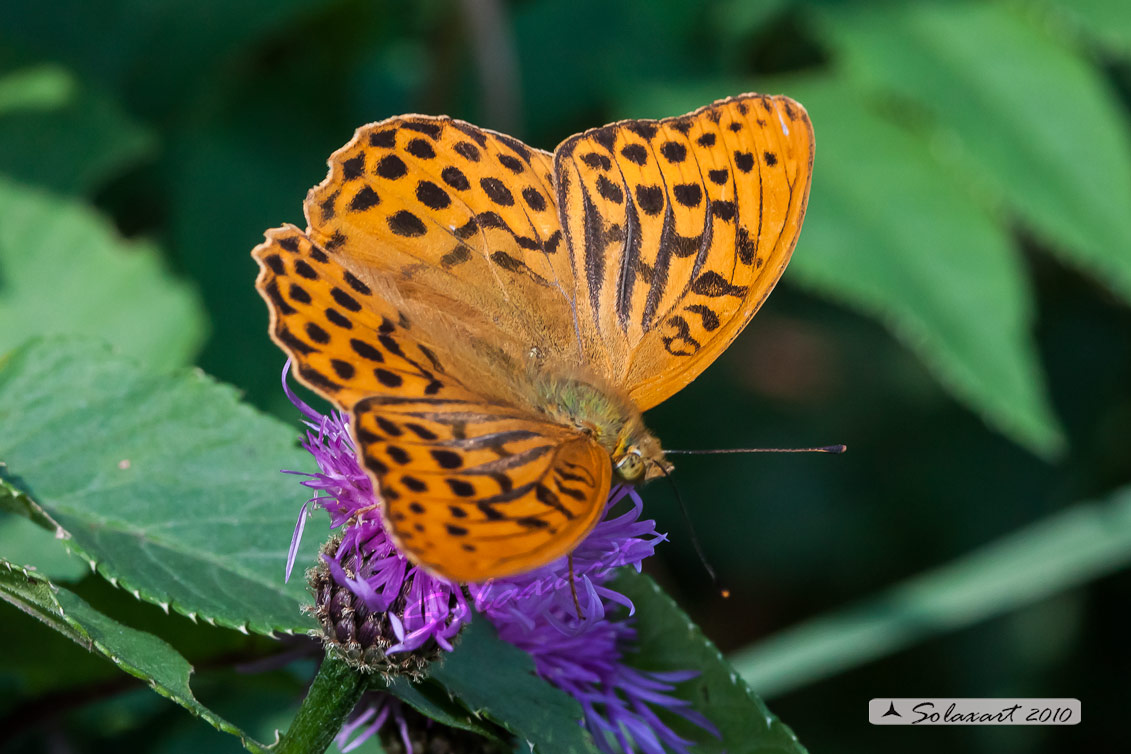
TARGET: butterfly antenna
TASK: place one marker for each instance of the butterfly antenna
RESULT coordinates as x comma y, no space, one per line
723,591
835,449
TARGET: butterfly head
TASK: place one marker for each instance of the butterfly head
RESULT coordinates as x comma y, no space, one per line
637,459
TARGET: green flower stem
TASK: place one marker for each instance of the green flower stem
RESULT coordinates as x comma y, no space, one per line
331,698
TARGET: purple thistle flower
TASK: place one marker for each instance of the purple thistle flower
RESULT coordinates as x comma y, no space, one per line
369,717
581,655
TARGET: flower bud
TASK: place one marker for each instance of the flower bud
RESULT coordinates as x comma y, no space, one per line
359,635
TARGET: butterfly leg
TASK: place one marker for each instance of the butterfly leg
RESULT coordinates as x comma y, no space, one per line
573,588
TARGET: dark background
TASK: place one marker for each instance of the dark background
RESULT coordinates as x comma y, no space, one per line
240,104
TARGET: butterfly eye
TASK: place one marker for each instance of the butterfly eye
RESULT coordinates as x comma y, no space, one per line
630,466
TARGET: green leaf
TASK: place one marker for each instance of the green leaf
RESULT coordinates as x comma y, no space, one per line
1108,22
162,57
138,653
1069,548
1018,115
46,87
29,545
32,545
496,679
168,483
667,640
58,134
63,270
432,700
889,231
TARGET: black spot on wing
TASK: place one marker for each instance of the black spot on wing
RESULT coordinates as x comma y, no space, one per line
345,300
650,199
305,270
609,190
343,369
364,199
471,131
747,248
432,196
635,153
534,199
606,137
447,459
275,262
709,319
386,139
354,167
644,129
596,161
723,210
299,294
497,191
317,334
458,255
327,206
688,194
356,284
673,151
391,167
406,224
366,350
281,303
682,125
681,343
420,149
455,178
512,164
467,150
712,284
432,130
387,378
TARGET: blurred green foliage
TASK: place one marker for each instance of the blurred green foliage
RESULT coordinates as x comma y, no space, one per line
956,312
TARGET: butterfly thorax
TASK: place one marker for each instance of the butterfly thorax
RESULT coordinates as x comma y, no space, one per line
608,417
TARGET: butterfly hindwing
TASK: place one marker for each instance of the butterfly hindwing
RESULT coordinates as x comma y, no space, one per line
475,491
679,229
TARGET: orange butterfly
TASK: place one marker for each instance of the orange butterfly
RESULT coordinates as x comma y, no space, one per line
496,317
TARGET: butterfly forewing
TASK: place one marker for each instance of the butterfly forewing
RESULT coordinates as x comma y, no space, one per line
466,221
679,229
346,340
